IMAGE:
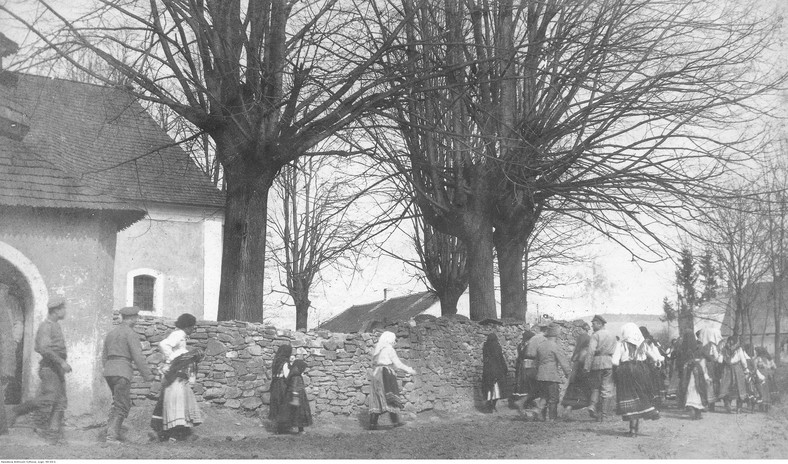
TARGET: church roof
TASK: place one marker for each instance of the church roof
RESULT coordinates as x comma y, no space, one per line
94,146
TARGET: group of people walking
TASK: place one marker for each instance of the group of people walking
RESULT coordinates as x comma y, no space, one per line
702,369
176,411
698,370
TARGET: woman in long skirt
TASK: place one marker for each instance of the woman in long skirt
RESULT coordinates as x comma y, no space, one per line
655,368
695,379
634,389
710,339
177,412
384,395
494,370
296,412
733,384
578,391
280,371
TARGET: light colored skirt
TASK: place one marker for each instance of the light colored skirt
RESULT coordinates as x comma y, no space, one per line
180,406
495,392
693,396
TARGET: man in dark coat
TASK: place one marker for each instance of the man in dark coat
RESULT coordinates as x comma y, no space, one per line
121,348
549,358
7,362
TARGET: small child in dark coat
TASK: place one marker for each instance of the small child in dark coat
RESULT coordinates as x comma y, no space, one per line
296,413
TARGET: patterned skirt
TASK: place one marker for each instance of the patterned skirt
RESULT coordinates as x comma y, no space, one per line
525,382
180,406
733,384
634,392
384,396
578,392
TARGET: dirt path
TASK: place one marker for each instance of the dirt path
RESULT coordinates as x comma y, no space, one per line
226,435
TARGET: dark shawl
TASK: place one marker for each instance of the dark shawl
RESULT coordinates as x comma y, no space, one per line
494,367
179,367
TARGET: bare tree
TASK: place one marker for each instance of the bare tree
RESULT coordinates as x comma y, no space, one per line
322,220
737,234
776,245
443,261
266,80
617,110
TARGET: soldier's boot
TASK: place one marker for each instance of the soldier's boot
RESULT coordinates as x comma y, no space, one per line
601,412
54,434
593,404
113,429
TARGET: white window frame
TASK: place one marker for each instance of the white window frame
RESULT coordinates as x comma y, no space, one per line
158,290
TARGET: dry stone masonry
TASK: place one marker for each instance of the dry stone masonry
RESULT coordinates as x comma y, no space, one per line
445,351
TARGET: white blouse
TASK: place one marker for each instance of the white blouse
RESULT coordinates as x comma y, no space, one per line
174,345
388,356
646,351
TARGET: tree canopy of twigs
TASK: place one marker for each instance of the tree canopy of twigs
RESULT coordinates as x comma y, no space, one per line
621,114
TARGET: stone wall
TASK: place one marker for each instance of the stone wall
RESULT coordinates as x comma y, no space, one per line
446,353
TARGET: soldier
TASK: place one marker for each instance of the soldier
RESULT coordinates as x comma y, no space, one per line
7,362
51,400
600,365
121,348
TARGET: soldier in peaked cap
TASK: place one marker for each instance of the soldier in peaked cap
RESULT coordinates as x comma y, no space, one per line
599,363
121,348
51,400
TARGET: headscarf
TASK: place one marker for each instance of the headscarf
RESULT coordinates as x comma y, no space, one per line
386,339
185,321
299,367
630,333
280,358
710,335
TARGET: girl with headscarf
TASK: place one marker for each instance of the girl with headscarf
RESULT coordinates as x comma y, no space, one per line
177,412
384,396
655,368
578,391
524,374
280,371
634,389
695,379
296,411
733,384
710,339
494,370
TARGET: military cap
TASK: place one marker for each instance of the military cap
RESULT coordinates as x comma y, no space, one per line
56,302
599,318
129,311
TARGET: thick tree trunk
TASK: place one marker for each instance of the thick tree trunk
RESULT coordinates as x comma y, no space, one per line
243,248
481,285
302,313
510,252
778,304
449,299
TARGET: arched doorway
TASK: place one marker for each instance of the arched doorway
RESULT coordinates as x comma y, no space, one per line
21,285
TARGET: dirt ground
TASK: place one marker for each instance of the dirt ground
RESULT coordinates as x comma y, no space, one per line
227,435
431,435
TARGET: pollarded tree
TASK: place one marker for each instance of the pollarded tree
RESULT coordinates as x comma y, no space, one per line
266,80
620,111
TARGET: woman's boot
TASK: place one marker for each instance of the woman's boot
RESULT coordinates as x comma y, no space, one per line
373,420
632,431
394,419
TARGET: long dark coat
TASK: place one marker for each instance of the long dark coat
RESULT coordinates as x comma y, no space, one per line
494,368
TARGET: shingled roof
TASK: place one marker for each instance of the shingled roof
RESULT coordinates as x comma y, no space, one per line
27,180
401,308
104,143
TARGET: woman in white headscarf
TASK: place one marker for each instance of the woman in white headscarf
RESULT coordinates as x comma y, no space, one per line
710,339
634,389
384,396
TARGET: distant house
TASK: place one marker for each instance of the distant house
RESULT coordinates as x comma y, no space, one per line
366,317
761,298
98,204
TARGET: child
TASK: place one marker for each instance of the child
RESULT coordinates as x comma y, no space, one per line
296,413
